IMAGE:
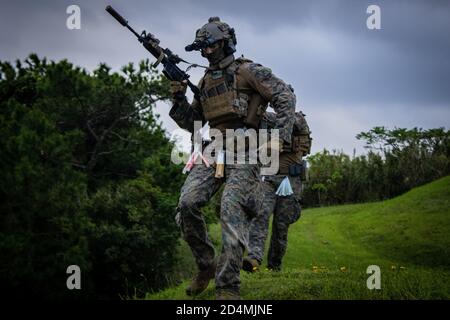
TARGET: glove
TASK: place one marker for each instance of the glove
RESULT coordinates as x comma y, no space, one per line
178,90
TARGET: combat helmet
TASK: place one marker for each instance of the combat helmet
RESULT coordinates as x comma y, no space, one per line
212,32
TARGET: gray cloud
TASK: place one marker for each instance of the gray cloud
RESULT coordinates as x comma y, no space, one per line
347,78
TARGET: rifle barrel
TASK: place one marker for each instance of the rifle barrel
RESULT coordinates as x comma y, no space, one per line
116,15
121,20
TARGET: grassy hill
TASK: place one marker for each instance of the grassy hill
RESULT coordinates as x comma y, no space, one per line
330,249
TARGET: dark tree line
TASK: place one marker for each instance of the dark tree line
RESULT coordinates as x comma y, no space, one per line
397,160
86,179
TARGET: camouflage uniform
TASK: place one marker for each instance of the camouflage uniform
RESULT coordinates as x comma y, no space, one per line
229,90
236,207
286,210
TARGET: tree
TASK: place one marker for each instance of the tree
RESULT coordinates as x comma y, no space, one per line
87,180
397,160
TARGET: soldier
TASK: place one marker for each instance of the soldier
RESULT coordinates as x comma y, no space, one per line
286,209
234,95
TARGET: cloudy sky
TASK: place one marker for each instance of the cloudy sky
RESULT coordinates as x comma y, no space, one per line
347,78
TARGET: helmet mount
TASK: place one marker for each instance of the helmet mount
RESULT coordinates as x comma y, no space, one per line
213,32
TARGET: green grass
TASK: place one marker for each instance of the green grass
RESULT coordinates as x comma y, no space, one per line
330,249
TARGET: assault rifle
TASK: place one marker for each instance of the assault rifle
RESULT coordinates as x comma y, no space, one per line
168,59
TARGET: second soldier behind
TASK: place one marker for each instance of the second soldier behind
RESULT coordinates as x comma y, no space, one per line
285,206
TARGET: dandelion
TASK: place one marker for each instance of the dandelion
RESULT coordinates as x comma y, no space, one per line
343,269
393,268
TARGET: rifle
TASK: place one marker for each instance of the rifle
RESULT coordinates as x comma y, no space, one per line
168,59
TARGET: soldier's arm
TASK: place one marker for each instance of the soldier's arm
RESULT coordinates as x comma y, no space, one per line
275,91
185,113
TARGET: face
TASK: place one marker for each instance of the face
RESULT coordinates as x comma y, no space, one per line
211,49
214,53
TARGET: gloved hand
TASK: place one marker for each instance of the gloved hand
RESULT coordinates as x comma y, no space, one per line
178,90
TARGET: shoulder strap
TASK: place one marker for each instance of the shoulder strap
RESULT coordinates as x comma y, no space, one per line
242,59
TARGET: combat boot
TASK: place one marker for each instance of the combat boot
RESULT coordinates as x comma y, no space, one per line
201,281
223,294
274,268
250,264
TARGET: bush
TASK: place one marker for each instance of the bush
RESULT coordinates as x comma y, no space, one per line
86,180
398,160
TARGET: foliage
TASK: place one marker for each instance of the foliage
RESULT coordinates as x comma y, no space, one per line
397,161
86,180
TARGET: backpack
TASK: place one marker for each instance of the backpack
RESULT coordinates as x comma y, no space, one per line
301,135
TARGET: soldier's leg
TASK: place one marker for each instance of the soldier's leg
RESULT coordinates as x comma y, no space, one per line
259,226
287,211
199,187
241,184
278,240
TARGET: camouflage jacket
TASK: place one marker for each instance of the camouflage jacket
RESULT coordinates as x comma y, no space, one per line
249,76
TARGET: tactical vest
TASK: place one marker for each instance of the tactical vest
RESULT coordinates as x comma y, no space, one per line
224,105
301,135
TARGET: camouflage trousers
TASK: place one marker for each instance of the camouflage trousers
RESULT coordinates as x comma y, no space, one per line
240,201
286,210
